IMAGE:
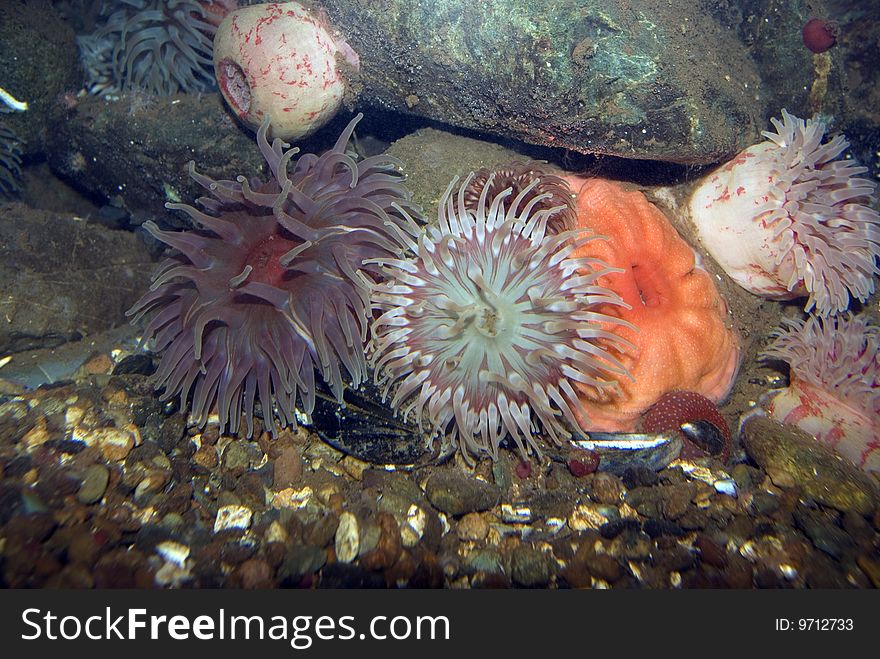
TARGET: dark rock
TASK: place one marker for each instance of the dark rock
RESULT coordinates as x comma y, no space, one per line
37,75
252,574
790,454
455,493
615,527
587,76
823,532
94,483
135,153
660,527
345,575
138,364
710,552
531,568
104,273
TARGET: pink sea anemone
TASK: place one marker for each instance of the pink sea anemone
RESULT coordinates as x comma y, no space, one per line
787,217
485,331
834,390
551,193
271,284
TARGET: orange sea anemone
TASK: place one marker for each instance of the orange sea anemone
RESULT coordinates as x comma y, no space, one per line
680,340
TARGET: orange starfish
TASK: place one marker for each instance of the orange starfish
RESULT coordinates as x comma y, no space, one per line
681,340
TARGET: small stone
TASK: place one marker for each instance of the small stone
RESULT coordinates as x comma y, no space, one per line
473,527
97,364
206,457
115,443
347,538
484,560
603,566
413,528
321,531
456,494
811,465
173,552
530,568
237,457
710,552
37,435
233,517
823,532
387,551
255,573
615,527
302,560
607,488
288,468
291,498
94,484
590,515
870,565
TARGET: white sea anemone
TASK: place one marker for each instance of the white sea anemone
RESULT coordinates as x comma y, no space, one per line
788,217
834,391
491,322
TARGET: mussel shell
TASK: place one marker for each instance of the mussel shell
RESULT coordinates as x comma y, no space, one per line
622,452
366,428
705,435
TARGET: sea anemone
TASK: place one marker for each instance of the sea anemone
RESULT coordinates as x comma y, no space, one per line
271,285
486,330
675,318
554,193
834,383
159,46
787,218
818,35
279,60
10,163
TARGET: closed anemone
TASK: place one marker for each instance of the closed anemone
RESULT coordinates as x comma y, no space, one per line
270,287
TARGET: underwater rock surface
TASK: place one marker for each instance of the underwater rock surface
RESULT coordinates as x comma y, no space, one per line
643,80
134,150
61,278
39,62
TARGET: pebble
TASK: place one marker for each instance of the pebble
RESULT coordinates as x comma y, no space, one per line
94,484
601,566
456,493
347,538
206,457
473,527
115,443
288,468
786,452
485,560
870,565
233,517
823,532
412,530
607,488
387,550
254,573
590,515
237,457
710,552
302,560
531,568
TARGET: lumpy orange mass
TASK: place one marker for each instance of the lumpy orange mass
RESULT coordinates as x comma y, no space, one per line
679,336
